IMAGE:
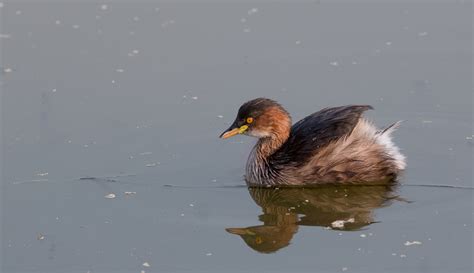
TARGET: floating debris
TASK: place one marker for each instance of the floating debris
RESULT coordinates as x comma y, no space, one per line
167,23
363,235
152,164
182,214
120,70
221,116
129,193
7,70
191,205
194,98
344,269
388,43
334,63
408,243
110,196
40,237
145,264
403,256
42,174
252,11
209,254
341,223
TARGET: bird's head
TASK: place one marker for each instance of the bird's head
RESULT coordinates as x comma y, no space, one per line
260,118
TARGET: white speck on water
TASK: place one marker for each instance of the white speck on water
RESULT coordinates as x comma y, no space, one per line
40,237
145,264
167,23
7,70
214,180
136,18
334,63
424,33
143,271
403,256
42,174
182,214
1,5
133,52
152,164
146,153
354,62
388,43
5,36
110,196
191,205
130,193
344,269
298,42
209,254
220,116
427,121
85,146
113,81
243,20
104,7
363,235
54,90
120,70
306,200
246,30
341,223
75,26
252,11
394,254
408,243
157,9
194,98
18,12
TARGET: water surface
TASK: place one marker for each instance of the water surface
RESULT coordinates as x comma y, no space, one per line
126,98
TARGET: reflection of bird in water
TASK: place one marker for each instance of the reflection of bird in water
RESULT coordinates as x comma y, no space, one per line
346,208
334,145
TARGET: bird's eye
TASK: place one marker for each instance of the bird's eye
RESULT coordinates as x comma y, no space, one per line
249,120
258,240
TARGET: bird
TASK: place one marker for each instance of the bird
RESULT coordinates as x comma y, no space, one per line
335,145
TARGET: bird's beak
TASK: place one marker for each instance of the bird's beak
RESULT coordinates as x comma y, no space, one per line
232,131
239,231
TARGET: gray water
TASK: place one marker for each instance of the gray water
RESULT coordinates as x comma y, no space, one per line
131,97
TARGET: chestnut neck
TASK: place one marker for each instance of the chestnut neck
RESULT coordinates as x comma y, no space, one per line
280,131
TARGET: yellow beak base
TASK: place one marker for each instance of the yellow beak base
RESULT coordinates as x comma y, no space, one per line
234,132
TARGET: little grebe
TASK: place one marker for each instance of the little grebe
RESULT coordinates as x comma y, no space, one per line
334,145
